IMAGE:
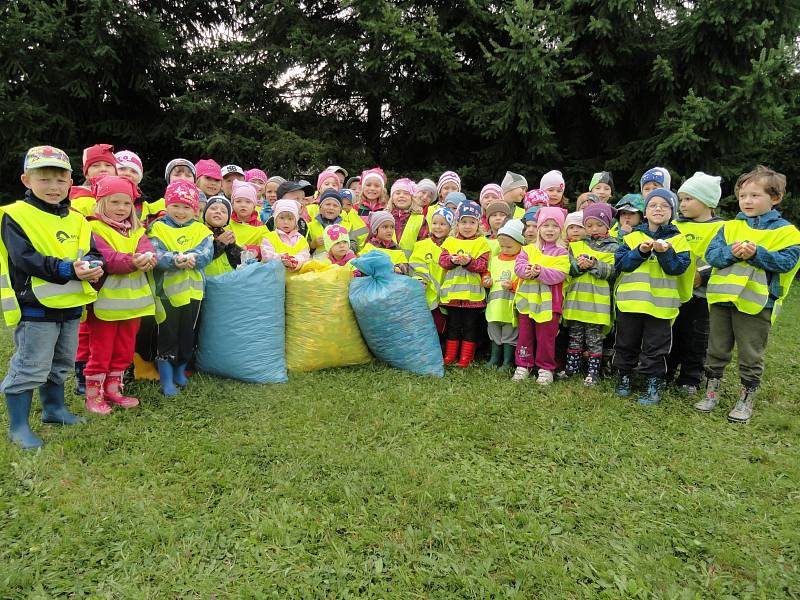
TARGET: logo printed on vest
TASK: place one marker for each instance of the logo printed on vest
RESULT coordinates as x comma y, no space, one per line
182,240
63,236
429,256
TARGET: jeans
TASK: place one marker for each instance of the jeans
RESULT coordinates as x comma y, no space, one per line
45,352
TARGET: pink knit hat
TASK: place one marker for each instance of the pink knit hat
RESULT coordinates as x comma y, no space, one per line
490,188
535,197
326,175
114,184
552,179
242,189
182,192
404,184
97,153
126,158
286,205
373,173
547,213
208,167
251,174
448,177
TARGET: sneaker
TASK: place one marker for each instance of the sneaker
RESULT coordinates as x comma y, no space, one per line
521,374
545,377
743,411
591,380
688,389
711,400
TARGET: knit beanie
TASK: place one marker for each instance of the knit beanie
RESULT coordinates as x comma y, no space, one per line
331,195
379,217
258,174
113,184
658,174
242,189
218,200
404,184
208,167
513,229
490,188
498,206
454,198
286,205
602,177
327,175
374,173
179,162
126,158
547,213
602,212
182,192
468,208
574,218
631,203
667,195
97,153
333,234
512,181
703,187
552,179
535,197
276,179
446,213
448,177
530,214
427,185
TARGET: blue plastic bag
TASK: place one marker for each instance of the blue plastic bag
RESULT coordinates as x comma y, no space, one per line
394,318
242,326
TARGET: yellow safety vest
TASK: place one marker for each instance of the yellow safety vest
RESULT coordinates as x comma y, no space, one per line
84,205
500,302
459,283
494,245
281,248
182,285
219,266
128,296
699,236
533,297
411,231
358,227
399,257
424,262
50,235
587,299
151,209
649,290
519,211
316,229
745,285
247,235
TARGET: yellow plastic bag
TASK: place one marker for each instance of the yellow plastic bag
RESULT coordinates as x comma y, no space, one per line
321,328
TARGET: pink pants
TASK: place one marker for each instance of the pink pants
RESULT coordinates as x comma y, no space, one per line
112,343
537,343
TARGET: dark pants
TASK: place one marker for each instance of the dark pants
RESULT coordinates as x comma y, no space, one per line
147,338
176,333
642,344
464,324
690,341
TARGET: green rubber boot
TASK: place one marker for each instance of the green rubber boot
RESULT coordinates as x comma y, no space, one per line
508,357
496,358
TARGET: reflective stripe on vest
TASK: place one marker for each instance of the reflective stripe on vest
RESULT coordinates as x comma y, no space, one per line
183,285
534,298
746,285
587,299
459,283
699,236
424,262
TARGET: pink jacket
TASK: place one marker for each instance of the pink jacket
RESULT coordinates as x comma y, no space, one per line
290,239
552,277
478,264
120,263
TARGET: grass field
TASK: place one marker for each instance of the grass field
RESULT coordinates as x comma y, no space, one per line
369,482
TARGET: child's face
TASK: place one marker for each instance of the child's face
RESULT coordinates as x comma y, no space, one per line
356,187
259,185
595,229
372,189
100,169
271,192
329,183
297,196
227,183
180,173
508,246
554,195
385,231
180,213
217,215
286,222
603,191
629,220
496,221
575,233
488,198
530,232
118,207
48,184
516,195
243,208
549,231
338,250
649,187
401,199
468,227
658,212
425,197
692,208
347,205
330,209
754,200
440,228
450,186
129,174
208,185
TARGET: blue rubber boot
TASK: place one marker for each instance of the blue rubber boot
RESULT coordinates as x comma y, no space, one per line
180,375
19,430
652,395
54,411
167,377
624,385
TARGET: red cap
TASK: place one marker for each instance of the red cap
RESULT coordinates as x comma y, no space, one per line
113,184
96,153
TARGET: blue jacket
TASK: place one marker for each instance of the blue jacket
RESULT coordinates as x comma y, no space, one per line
628,259
204,252
719,253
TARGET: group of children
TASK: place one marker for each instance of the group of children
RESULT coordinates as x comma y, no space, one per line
655,284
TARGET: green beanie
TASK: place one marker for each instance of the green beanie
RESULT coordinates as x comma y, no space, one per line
705,188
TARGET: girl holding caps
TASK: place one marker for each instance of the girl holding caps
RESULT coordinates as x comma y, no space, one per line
245,225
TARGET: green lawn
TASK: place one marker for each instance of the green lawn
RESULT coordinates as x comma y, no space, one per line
369,482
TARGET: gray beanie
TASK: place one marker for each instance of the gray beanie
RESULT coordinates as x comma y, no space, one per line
512,181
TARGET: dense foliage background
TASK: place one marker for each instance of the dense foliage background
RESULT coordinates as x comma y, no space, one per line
415,86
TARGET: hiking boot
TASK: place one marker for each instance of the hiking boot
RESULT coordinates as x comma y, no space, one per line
624,385
743,411
711,399
653,391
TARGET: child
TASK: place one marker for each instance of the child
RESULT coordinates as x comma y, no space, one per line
453,200
426,190
184,248
129,166
209,180
259,179
227,255
491,192
514,187
337,246
649,261
531,226
754,259
328,180
542,268
180,169
424,262
231,173
409,221
124,294
699,196
381,238
341,174
244,224
657,177
355,224
502,283
573,226
286,243
329,213
602,184
585,199
587,303
354,185
552,183
464,258
291,190
630,210
270,197
373,193
44,287
98,161
449,182
498,212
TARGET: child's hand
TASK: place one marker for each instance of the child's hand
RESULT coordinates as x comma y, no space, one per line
506,285
319,242
661,245
698,280
84,273
585,262
226,237
536,270
191,260
417,203
458,259
487,281
527,272
144,261
646,247
743,250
